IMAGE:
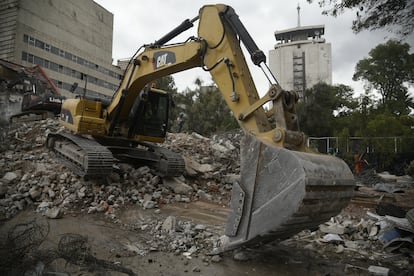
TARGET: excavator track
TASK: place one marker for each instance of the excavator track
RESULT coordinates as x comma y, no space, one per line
171,163
90,158
84,156
163,161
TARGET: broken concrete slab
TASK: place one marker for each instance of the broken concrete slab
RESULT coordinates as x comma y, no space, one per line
9,177
54,213
178,186
169,224
331,228
378,270
195,166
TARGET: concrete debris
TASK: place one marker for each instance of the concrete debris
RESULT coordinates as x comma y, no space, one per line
378,270
54,213
196,269
193,165
332,238
332,228
216,259
9,177
30,176
241,256
178,186
170,224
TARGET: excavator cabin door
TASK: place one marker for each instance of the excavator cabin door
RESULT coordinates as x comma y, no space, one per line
149,114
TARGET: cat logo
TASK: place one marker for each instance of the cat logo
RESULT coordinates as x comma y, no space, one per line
163,58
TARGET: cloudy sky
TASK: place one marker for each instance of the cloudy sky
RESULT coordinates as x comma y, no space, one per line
141,22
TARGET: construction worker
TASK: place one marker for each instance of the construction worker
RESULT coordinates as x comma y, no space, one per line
180,121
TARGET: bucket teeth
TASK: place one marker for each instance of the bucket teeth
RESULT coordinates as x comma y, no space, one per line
282,192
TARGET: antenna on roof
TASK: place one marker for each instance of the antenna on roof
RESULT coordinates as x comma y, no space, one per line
298,8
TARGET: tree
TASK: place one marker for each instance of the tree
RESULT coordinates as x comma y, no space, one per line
322,105
204,109
390,70
182,103
209,113
395,15
166,83
395,134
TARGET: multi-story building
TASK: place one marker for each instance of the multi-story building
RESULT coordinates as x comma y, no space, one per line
71,40
301,58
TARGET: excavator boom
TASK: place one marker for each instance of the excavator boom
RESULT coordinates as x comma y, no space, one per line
285,187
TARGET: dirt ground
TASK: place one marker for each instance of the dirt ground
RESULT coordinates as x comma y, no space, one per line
117,243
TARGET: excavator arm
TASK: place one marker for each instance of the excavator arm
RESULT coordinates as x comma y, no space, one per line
217,49
284,186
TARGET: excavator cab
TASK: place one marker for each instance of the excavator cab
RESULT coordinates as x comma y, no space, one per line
148,118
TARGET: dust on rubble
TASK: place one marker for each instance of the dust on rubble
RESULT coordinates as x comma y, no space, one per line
135,222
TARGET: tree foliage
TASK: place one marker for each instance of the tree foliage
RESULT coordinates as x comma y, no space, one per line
204,109
166,83
327,110
322,104
390,70
394,15
209,112
332,111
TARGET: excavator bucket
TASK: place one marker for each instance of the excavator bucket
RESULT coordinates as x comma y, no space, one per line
282,192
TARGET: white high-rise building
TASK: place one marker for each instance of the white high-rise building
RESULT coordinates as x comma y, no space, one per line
301,58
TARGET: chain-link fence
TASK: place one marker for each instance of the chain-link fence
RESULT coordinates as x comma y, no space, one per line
381,153
334,145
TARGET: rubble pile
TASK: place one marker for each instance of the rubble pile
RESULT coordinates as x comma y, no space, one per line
368,178
379,239
176,236
215,158
31,176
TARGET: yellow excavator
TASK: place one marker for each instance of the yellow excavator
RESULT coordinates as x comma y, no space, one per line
284,186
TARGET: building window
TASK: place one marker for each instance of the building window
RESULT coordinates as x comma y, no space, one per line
30,58
46,63
38,60
80,60
54,66
68,55
67,71
55,50
31,40
40,44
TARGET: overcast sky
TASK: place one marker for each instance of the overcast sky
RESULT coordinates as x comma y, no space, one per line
141,22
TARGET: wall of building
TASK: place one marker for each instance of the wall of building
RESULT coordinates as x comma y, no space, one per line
8,23
71,40
284,61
